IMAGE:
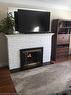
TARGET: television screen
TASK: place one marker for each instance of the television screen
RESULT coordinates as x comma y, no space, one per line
28,21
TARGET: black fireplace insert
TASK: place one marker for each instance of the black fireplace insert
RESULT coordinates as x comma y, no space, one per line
31,57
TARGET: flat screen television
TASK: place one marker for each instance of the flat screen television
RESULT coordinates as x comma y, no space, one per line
29,21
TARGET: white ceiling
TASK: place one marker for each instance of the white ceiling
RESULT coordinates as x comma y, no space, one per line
65,3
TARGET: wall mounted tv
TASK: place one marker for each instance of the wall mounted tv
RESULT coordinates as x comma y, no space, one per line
29,21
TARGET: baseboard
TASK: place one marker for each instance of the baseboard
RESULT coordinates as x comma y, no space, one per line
47,63
15,70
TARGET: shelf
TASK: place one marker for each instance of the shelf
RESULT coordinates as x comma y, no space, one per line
61,39
64,30
63,45
65,27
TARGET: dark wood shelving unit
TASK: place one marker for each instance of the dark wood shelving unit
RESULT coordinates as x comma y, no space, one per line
61,39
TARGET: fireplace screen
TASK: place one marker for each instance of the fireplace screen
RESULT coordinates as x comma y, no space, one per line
31,57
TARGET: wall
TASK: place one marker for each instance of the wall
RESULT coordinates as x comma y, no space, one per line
3,11
56,12
3,50
3,42
70,45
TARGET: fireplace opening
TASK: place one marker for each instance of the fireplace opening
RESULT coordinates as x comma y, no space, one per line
31,57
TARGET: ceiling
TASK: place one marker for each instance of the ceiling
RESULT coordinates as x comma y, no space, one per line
59,2
65,3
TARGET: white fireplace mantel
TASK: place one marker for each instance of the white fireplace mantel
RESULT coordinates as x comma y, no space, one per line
23,41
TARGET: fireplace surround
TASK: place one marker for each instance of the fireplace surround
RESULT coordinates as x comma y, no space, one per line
22,41
31,57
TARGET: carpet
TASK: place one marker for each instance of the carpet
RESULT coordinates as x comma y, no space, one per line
45,80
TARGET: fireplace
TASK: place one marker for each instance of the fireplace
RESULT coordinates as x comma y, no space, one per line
31,57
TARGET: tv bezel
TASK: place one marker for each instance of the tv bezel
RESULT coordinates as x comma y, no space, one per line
17,24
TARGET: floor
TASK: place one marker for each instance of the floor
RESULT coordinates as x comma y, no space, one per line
6,84
60,60
58,78
44,80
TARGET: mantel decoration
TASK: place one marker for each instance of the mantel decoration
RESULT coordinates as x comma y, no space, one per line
7,24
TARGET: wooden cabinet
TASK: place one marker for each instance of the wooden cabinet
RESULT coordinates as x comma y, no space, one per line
62,51
60,40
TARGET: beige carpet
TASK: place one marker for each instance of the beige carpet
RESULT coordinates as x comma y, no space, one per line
46,80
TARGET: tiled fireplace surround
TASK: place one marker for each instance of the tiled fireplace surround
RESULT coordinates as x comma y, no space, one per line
23,41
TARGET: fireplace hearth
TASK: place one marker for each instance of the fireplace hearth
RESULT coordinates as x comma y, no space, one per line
31,57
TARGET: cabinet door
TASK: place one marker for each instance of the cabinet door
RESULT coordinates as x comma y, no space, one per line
62,39
62,52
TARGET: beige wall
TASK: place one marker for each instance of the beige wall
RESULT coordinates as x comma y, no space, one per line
3,50
3,12
3,42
